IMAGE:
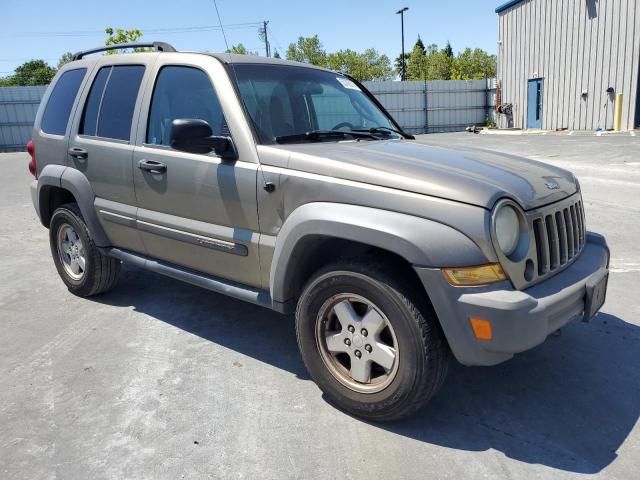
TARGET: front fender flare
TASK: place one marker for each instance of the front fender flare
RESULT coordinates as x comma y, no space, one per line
420,241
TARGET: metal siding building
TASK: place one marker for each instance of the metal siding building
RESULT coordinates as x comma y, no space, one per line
578,49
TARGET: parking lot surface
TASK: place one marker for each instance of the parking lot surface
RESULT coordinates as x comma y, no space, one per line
159,379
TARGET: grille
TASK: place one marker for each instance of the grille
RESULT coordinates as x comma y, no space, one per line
559,236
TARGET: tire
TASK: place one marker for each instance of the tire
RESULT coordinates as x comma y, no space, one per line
84,269
410,345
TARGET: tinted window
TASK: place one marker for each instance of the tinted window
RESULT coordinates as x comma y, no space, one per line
183,92
109,108
56,113
89,123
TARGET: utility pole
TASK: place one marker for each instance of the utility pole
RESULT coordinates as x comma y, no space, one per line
267,47
403,60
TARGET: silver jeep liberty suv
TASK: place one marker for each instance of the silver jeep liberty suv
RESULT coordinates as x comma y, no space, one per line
291,187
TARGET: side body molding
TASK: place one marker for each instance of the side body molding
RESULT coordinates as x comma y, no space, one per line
420,241
75,182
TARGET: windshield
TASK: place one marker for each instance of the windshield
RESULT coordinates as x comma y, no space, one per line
287,102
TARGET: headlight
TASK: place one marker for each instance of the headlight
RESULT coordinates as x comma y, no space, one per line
507,227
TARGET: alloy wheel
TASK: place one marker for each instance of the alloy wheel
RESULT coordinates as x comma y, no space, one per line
357,343
71,252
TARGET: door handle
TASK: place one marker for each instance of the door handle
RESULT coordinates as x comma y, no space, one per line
80,153
152,166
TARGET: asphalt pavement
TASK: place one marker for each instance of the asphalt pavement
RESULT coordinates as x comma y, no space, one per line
159,379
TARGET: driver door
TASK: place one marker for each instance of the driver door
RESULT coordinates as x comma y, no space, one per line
194,210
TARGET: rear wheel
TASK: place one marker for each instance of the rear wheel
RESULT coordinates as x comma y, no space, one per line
369,342
82,266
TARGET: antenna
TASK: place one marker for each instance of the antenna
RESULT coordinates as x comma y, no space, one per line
268,186
224,35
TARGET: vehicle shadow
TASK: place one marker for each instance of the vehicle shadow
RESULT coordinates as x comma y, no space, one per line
246,328
568,404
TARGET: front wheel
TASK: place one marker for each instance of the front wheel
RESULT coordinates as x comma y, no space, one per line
368,341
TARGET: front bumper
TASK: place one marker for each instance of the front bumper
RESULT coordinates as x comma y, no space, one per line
520,319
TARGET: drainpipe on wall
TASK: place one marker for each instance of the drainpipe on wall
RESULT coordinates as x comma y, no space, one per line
617,122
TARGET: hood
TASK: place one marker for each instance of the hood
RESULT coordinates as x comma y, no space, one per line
470,175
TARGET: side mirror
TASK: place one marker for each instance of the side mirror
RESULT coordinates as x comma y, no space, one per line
195,136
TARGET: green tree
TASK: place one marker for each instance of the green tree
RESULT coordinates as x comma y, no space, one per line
448,50
276,55
33,72
369,65
120,35
240,49
417,63
308,50
420,44
399,61
438,63
65,58
473,65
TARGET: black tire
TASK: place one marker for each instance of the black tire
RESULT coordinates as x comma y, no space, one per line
422,352
101,271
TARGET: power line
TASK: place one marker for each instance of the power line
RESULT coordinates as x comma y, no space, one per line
165,30
278,45
25,59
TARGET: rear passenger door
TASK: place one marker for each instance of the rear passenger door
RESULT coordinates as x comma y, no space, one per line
196,210
102,149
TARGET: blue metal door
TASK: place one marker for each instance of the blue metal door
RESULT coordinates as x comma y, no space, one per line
534,103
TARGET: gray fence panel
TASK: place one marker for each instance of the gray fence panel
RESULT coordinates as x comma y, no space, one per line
437,105
418,106
18,108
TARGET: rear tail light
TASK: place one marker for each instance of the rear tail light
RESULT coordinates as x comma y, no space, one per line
31,148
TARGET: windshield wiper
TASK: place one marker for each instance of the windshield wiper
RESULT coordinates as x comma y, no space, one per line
386,130
320,134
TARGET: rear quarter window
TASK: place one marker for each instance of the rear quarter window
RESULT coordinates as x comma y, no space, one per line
58,109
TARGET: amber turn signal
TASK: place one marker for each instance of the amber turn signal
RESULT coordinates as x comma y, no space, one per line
478,275
481,328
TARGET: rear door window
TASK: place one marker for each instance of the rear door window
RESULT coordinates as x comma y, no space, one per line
108,112
56,114
90,117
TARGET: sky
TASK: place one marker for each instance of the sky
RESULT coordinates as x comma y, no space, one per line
39,29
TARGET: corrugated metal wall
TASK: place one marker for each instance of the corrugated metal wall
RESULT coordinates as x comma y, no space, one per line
18,107
436,105
575,46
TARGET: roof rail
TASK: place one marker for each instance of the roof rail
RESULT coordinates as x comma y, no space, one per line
157,47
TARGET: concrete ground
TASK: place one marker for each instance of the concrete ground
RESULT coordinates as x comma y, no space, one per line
159,379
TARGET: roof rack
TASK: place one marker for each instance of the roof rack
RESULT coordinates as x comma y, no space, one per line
157,47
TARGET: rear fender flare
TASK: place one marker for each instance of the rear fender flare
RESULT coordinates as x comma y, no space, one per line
78,185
